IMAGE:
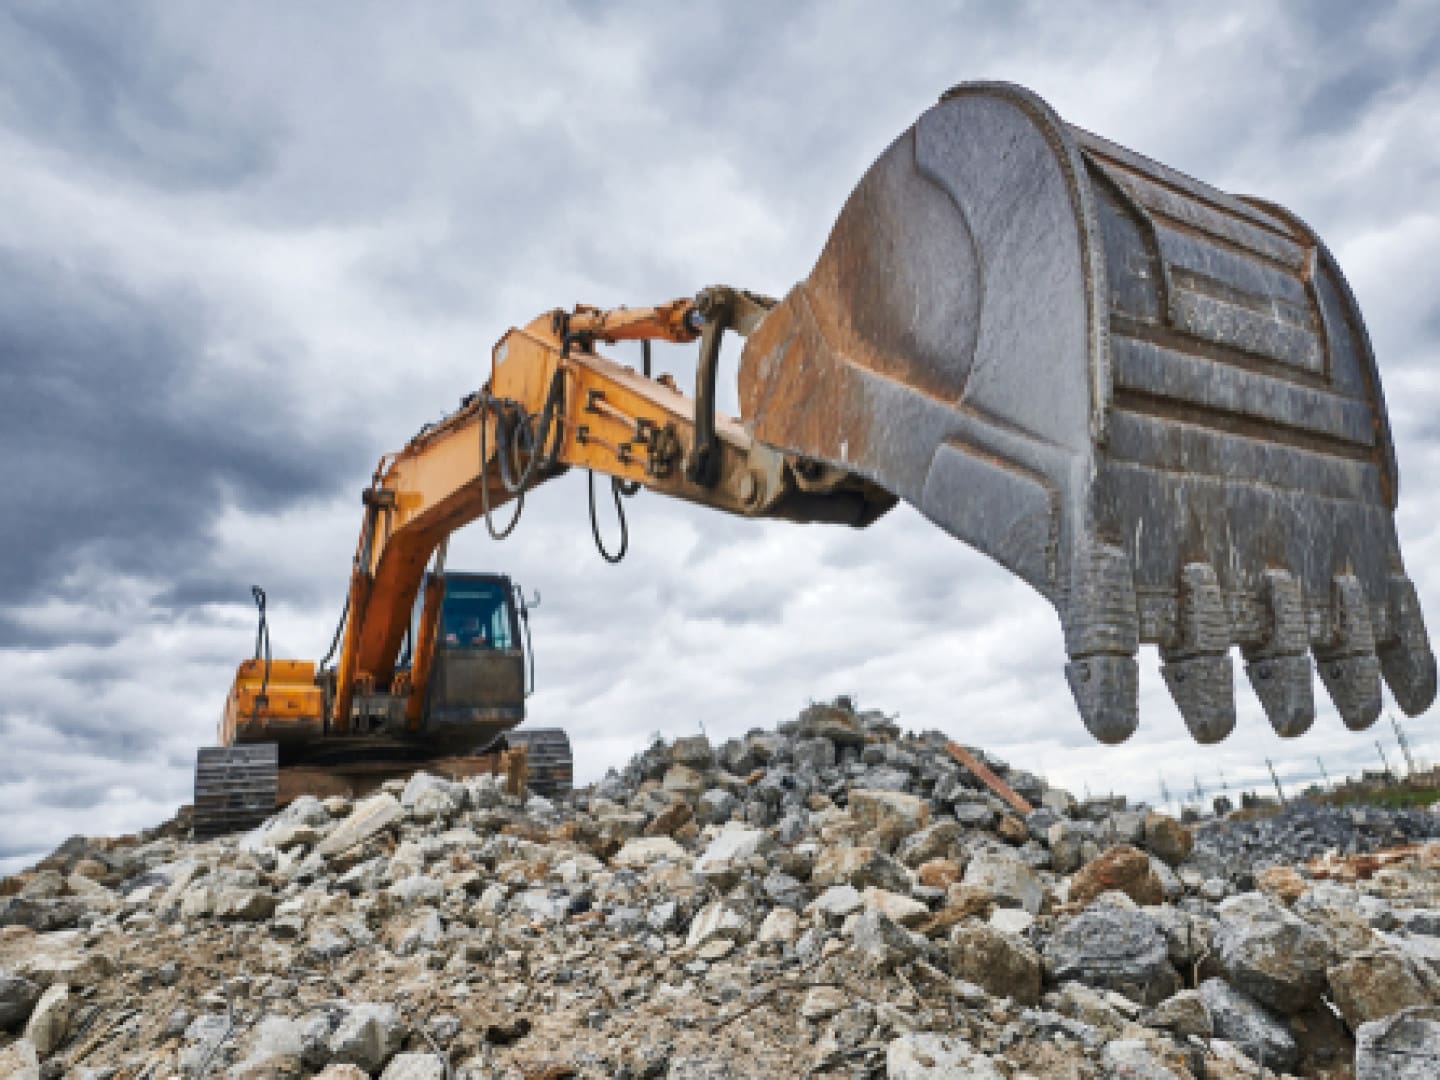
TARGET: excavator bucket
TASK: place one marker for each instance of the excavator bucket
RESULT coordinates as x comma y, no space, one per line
1153,401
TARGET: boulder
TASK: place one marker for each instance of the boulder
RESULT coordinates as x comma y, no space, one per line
1118,949
19,1061
834,722
18,996
1374,985
859,866
714,921
889,811
1257,1032
274,1048
642,851
881,944
781,927
938,873
1405,1046
369,817
930,1056
1270,954
415,1067
1120,869
900,909
1000,962
1184,1014
49,1022
731,848
1167,839
1132,1059
693,751
937,841
1010,881
368,1036
1281,883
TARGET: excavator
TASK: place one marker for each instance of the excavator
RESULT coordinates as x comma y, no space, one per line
1154,402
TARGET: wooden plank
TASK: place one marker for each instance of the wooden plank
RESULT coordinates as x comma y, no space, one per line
988,778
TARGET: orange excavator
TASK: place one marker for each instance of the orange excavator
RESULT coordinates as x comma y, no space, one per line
1153,401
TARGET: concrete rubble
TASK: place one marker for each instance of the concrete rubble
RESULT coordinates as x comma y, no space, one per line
830,898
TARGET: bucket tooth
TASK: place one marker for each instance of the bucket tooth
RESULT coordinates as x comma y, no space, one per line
1278,667
1348,664
1286,688
1106,690
1197,668
1406,660
1102,636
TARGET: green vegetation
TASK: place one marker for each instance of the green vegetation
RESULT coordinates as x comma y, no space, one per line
1398,797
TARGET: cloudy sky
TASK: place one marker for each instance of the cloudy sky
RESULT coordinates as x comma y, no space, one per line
244,250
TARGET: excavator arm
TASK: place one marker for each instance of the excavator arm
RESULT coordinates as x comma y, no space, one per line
1153,401
553,402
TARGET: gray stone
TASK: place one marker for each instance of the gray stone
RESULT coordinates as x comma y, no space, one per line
432,798
1373,985
714,920
881,944
19,1061
974,815
930,1056
1115,948
1009,879
1002,963
369,817
1184,1014
42,915
1259,1034
731,848
693,751
18,996
1405,1046
715,807
1270,954
837,902
813,754
368,1036
1131,1059
417,889
414,1067
49,1022
274,1048
859,866
836,723
935,841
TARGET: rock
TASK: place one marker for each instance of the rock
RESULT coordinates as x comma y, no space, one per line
1011,920
415,1067
683,781
1258,1033
1111,947
729,850
50,1020
936,841
1012,830
938,873
836,723
42,915
974,815
274,1048
1405,1046
715,807
1066,841
1167,839
19,1061
244,905
859,866
432,798
1184,1014
823,1002
18,996
369,817
889,811
1374,985
1281,883
693,751
642,851
1120,869
781,926
672,818
1131,1059
897,908
813,754
342,1072
368,1036
1000,962
714,920
881,944
1270,954
836,902
929,1056
1009,880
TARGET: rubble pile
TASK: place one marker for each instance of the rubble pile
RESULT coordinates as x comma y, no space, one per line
831,898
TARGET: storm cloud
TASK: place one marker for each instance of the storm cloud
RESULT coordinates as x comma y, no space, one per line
245,250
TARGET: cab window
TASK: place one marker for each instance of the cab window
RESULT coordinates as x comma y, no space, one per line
475,615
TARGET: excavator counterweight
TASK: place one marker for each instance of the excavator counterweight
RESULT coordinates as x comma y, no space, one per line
1154,402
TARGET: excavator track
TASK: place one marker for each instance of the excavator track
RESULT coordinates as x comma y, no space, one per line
548,759
235,787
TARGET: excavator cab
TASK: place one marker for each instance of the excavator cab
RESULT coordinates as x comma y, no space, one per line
477,681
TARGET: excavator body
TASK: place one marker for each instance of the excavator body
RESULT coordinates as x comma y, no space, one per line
1154,402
